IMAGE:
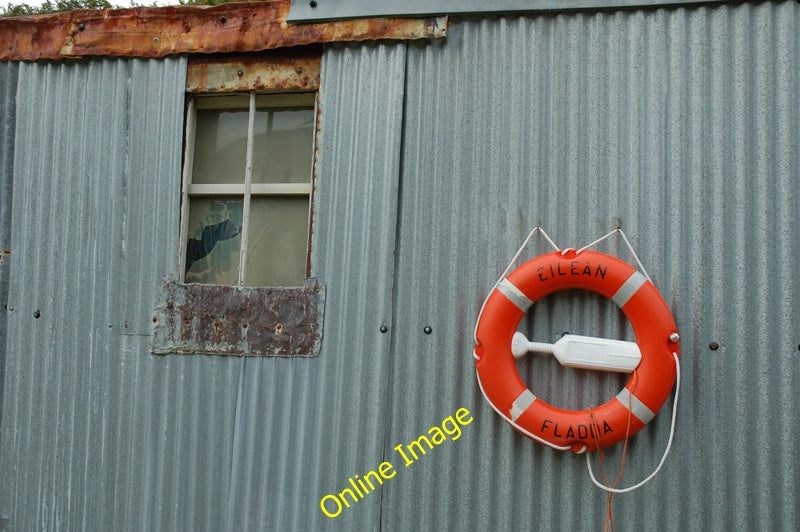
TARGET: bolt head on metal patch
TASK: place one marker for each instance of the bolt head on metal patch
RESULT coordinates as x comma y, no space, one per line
674,338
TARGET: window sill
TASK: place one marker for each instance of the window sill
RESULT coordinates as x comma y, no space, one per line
239,320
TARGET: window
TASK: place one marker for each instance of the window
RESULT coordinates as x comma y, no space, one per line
244,285
247,189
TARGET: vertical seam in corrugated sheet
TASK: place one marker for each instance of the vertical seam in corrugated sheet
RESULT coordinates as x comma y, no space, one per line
238,412
387,397
8,115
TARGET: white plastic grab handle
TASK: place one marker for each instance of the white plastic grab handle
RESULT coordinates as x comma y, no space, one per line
584,352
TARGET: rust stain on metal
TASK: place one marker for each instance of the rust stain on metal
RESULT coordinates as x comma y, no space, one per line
158,32
317,157
276,70
229,320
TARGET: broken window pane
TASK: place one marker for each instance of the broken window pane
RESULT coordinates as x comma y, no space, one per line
212,249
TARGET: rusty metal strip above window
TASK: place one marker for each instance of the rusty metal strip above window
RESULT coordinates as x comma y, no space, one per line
291,69
161,31
240,321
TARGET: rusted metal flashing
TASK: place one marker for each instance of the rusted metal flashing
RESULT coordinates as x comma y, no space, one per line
295,69
230,320
157,32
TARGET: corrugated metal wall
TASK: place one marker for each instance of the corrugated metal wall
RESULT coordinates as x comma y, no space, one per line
98,146
105,433
681,126
436,159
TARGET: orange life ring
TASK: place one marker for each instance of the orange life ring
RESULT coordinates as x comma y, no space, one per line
600,426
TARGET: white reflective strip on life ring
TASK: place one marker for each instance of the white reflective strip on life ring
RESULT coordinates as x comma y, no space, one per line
523,430
521,403
514,294
638,408
628,288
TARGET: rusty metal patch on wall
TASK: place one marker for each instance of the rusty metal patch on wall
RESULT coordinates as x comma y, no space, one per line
242,321
161,31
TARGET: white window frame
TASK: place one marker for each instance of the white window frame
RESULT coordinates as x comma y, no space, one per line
248,189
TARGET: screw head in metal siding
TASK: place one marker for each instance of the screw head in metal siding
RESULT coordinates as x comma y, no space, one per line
427,329
713,346
313,3
37,314
81,27
384,329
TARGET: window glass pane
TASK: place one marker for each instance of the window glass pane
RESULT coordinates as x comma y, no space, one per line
212,250
276,254
282,148
220,146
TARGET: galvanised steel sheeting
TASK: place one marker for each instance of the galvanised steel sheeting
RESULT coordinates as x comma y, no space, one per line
434,162
8,95
106,433
359,9
680,126
96,171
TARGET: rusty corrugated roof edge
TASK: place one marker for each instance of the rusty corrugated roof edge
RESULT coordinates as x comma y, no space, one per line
150,32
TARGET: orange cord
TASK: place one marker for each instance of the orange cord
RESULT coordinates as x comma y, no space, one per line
601,454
